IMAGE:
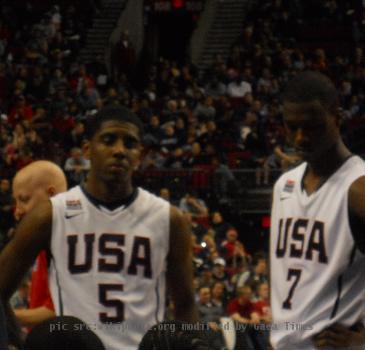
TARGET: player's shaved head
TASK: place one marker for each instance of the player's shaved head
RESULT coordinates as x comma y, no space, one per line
42,173
35,182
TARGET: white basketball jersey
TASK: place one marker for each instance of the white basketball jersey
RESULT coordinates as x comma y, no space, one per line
317,273
108,267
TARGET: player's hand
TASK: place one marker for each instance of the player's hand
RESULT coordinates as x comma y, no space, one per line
214,326
339,337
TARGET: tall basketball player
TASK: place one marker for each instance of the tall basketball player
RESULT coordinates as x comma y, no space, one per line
37,182
318,223
113,246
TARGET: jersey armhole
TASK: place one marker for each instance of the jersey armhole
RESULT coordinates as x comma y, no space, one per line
356,224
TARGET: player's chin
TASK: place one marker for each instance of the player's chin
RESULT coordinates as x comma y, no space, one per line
306,155
118,174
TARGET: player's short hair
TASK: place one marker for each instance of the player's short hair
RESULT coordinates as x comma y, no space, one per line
174,335
312,86
63,332
117,113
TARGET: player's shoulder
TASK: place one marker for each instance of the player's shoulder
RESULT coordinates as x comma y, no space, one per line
356,163
72,201
70,193
357,182
352,173
148,200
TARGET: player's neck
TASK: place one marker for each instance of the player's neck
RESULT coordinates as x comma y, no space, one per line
108,192
330,161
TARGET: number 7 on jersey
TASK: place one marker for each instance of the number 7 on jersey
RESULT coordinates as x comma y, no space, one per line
292,274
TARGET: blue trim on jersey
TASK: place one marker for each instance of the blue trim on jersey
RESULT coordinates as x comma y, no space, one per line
125,202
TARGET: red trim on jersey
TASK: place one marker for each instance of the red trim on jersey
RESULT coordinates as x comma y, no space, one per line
39,294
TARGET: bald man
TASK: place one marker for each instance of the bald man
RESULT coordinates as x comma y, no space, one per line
34,183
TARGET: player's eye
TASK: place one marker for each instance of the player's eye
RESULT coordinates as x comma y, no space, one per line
108,139
130,142
24,199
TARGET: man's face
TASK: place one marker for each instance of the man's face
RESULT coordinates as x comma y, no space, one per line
27,197
114,151
310,129
246,295
217,218
264,291
261,266
4,185
232,236
204,295
218,290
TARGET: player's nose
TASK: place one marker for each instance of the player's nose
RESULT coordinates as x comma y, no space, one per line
19,212
119,148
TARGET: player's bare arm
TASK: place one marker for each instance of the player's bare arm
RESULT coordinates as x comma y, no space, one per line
340,337
356,203
31,236
180,268
32,317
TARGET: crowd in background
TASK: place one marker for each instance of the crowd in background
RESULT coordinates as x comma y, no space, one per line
226,118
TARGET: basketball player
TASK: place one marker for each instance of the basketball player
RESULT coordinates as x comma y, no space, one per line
317,229
37,182
112,245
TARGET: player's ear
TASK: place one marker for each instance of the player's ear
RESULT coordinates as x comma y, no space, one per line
51,191
137,161
86,149
340,116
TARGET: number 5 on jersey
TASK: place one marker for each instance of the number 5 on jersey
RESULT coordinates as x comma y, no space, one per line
105,300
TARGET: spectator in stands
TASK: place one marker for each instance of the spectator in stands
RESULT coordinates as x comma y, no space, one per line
19,301
242,310
219,272
76,167
224,181
210,314
242,274
6,210
238,88
197,229
231,249
259,273
176,159
207,311
154,132
262,303
205,276
215,87
219,225
165,194
21,111
205,111
169,141
75,138
196,156
153,159
195,206
218,297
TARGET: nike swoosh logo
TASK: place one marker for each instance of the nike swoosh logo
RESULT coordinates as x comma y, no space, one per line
67,216
283,198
